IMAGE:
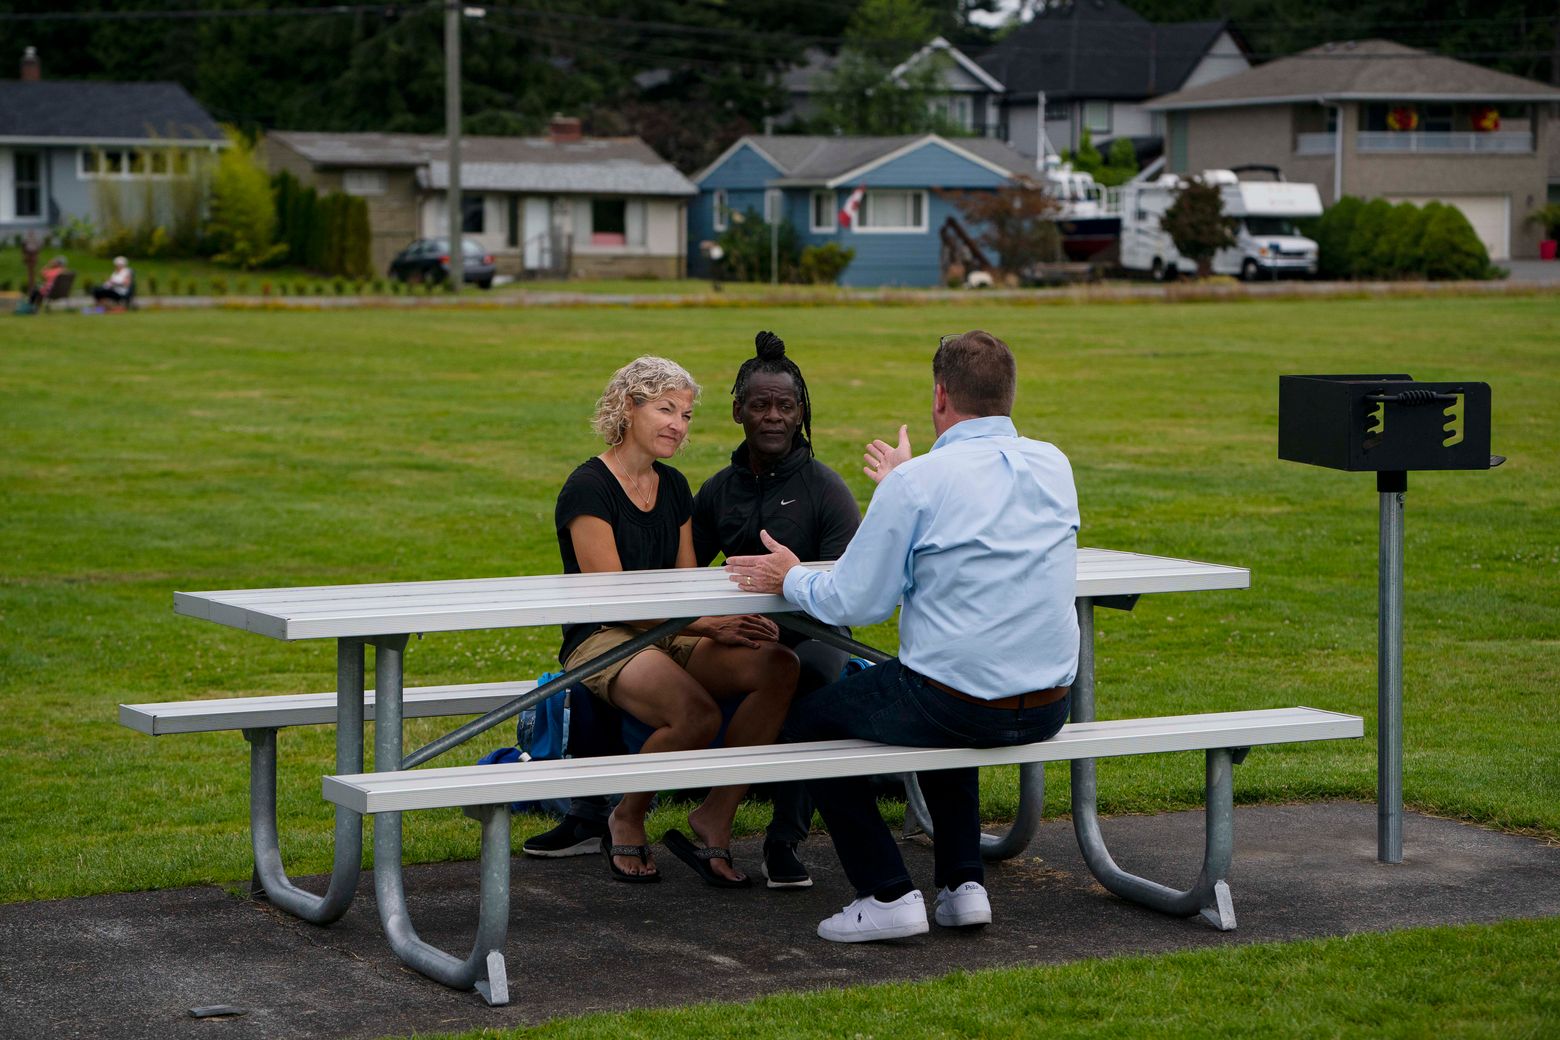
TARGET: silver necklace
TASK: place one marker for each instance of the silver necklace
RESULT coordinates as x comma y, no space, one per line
639,492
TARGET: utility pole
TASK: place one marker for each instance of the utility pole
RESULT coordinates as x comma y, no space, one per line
452,16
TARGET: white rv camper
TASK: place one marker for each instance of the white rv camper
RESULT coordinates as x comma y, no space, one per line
1266,242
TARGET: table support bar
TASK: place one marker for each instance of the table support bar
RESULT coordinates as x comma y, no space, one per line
1210,896
348,861
483,969
459,736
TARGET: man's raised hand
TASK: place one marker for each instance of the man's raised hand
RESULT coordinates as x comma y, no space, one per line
881,459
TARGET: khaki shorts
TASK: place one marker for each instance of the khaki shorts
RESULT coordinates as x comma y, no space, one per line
678,648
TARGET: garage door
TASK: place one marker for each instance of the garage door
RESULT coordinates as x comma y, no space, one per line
1490,216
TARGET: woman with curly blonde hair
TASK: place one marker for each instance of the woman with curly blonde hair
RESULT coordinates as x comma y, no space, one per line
626,510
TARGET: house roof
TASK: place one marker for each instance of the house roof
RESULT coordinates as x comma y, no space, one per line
807,78
611,165
89,111
814,159
1098,49
1359,71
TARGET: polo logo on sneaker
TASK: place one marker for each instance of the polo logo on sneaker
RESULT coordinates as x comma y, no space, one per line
858,916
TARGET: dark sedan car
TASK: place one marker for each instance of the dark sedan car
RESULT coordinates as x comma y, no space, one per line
428,260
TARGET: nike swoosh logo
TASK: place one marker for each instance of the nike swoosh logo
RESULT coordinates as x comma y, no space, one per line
787,501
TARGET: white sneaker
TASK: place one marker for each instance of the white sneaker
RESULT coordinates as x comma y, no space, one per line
867,920
963,907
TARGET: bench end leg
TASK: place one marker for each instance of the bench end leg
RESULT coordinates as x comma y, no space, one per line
1222,913
495,988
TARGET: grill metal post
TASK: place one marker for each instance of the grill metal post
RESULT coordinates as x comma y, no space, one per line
1391,487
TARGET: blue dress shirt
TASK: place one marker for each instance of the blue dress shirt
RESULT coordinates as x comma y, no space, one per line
979,538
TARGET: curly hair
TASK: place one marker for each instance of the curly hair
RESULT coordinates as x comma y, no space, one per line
642,380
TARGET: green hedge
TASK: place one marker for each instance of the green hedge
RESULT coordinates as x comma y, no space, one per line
1377,240
325,233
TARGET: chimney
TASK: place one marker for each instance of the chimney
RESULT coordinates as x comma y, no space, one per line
32,69
564,129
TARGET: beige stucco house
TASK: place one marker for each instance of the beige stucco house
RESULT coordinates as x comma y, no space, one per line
560,204
1377,119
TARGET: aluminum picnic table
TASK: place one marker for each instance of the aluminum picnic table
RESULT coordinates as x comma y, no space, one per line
386,615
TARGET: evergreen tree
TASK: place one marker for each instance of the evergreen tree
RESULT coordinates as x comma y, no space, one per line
1197,225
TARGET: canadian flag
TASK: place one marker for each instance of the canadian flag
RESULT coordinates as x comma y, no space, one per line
852,206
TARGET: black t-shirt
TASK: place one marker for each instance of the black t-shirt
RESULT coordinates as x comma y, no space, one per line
645,540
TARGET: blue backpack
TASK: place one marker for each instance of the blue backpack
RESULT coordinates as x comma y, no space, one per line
541,732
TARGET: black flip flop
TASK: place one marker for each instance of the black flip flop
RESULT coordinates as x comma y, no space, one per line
698,857
619,874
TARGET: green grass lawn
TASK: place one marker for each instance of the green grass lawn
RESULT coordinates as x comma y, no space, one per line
208,450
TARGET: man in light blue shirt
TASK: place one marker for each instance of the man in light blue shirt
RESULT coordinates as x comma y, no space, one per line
978,540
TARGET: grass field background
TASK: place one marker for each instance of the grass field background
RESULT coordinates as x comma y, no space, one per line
214,450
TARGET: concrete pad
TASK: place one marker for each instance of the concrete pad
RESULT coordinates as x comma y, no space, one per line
130,966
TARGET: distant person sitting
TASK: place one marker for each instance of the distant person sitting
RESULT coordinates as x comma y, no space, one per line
119,285
50,274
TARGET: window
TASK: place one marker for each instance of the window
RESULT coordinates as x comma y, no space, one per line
772,206
955,109
1058,111
365,182
1096,117
720,212
28,184
892,212
1437,120
608,222
822,212
133,163
512,238
472,214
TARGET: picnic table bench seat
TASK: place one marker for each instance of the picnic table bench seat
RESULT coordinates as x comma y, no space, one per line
485,792
310,709
259,719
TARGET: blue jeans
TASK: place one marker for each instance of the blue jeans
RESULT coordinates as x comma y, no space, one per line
894,705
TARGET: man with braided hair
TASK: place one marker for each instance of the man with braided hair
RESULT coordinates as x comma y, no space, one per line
774,483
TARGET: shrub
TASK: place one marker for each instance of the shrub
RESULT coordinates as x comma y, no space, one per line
243,214
1452,249
1395,251
1369,225
1197,225
823,265
747,247
151,285
377,286
1409,259
1547,219
219,286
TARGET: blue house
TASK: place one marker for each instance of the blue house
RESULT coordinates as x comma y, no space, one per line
94,151
807,182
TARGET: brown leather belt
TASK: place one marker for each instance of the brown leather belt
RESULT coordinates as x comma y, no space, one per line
1032,699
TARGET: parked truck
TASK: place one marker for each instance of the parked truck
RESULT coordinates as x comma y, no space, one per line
1266,242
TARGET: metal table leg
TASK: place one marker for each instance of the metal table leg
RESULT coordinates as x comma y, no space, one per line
1031,775
269,872
483,968
1209,897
